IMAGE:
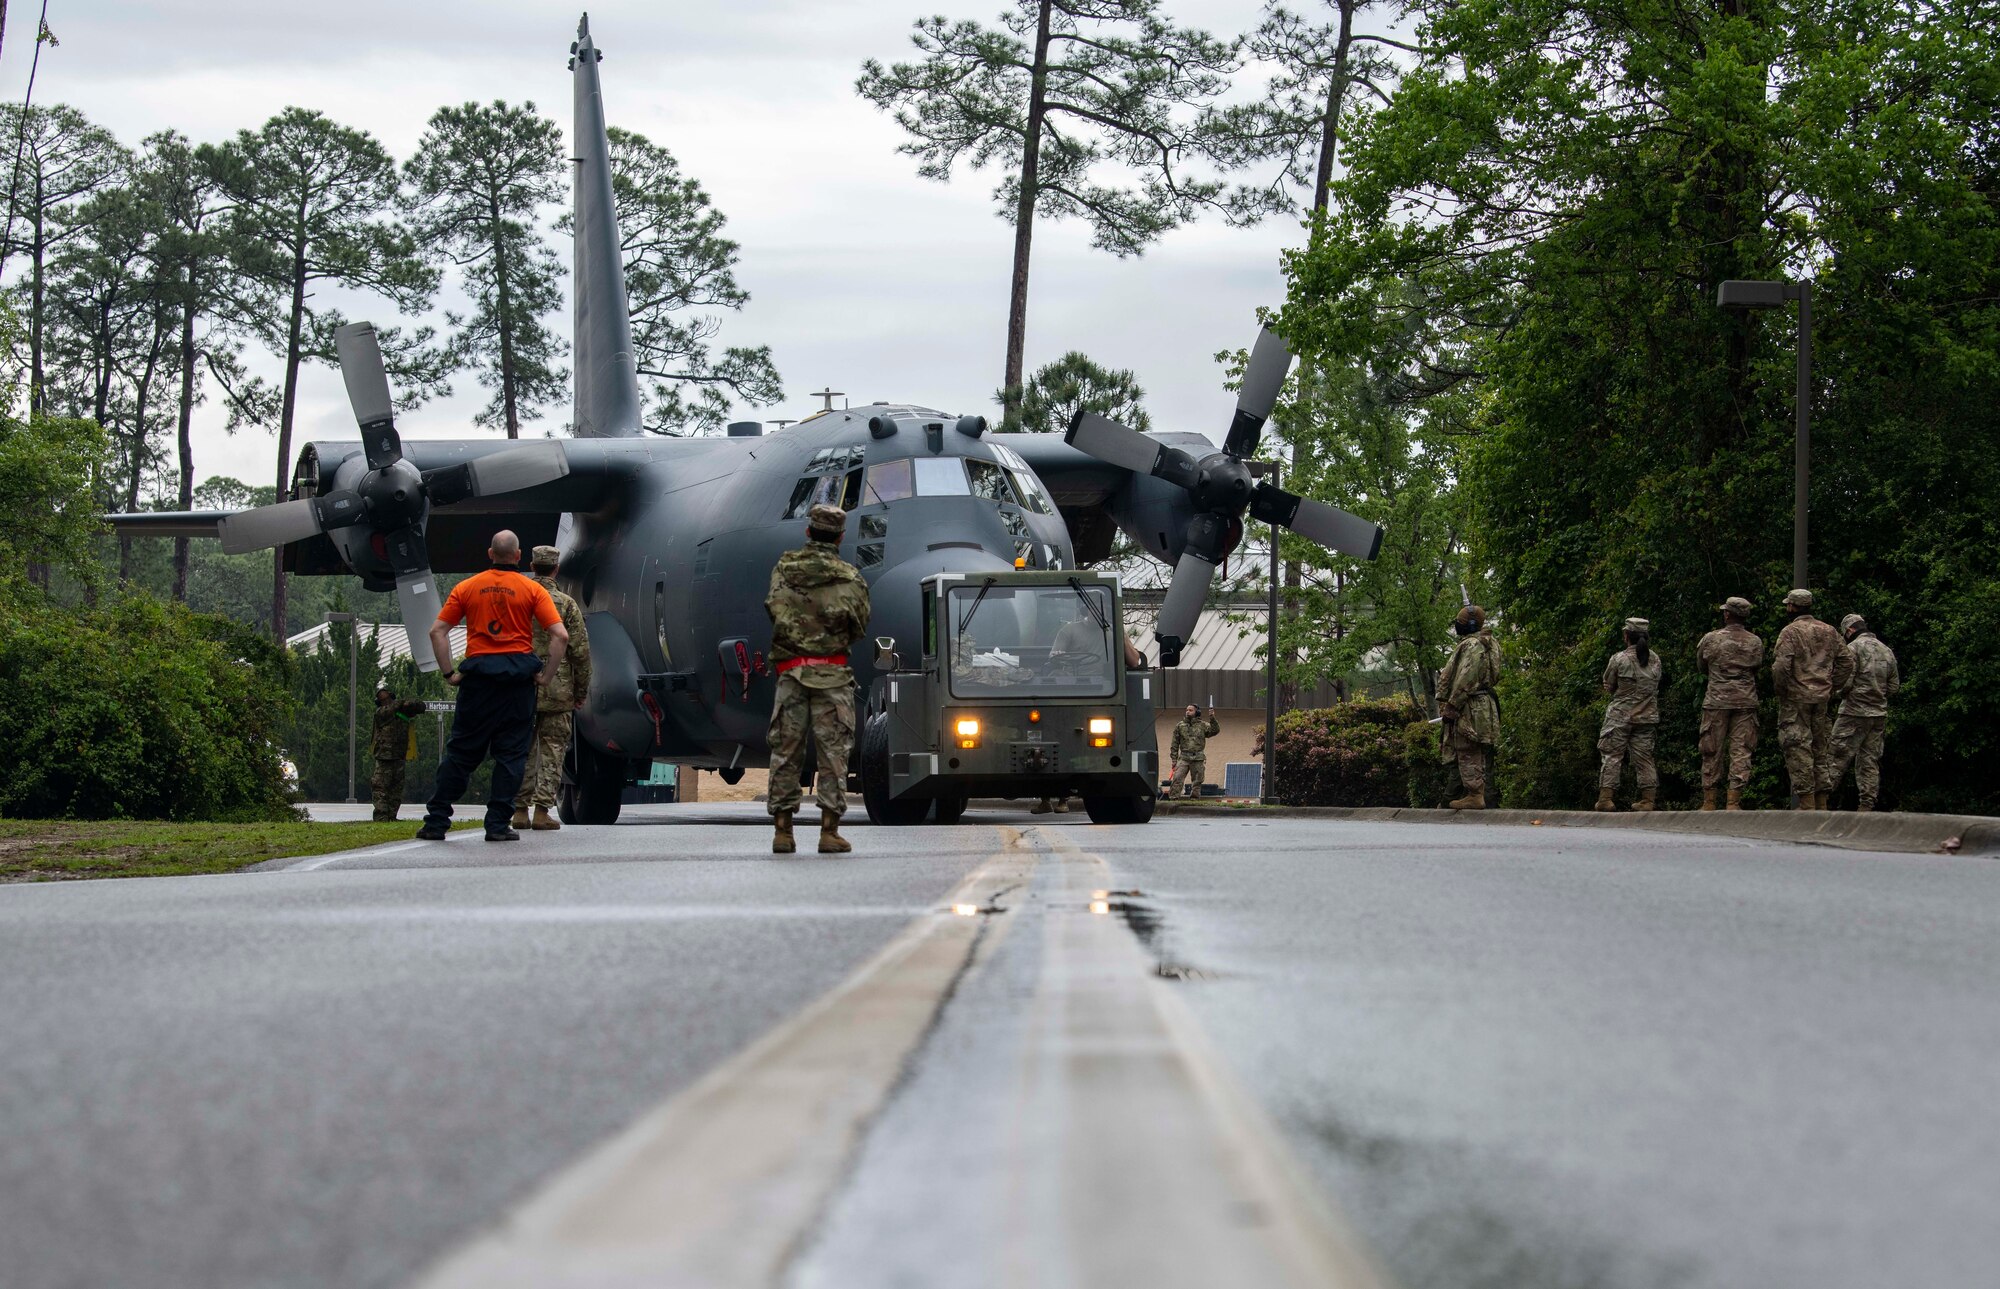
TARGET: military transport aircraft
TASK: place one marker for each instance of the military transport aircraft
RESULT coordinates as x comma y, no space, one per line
668,542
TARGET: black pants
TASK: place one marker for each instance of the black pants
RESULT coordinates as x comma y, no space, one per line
496,719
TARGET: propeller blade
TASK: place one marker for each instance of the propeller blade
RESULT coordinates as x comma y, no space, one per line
343,508
1263,377
518,468
1185,596
368,392
1316,521
417,594
267,526
1113,443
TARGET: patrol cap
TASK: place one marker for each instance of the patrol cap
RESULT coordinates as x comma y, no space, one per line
831,519
1638,624
548,555
1736,604
1853,622
1798,598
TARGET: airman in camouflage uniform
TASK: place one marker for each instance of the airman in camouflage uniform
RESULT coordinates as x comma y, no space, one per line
1189,751
554,703
1465,700
1631,719
819,607
1729,657
1864,714
393,739
1810,665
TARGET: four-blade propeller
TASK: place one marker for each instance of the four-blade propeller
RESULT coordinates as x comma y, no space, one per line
392,499
1222,491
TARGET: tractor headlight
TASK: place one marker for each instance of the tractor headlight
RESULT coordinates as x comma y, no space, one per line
1100,731
967,730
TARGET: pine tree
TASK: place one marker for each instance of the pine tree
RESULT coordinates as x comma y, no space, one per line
679,268
1062,93
1072,384
481,180
311,203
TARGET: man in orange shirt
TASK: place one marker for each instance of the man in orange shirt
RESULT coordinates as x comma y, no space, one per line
496,683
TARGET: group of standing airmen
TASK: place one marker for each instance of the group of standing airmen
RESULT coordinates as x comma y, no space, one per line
1812,666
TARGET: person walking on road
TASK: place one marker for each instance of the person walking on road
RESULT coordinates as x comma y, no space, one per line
1864,715
569,685
496,683
818,604
394,741
1189,751
1631,719
1729,656
1809,666
1465,701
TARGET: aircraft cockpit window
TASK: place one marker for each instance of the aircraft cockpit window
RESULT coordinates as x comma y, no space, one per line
990,481
941,477
889,481
1026,482
827,489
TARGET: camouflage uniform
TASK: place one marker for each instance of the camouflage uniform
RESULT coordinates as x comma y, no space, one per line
556,701
1809,666
392,739
1729,657
819,607
1466,686
1631,720
1189,753
1864,714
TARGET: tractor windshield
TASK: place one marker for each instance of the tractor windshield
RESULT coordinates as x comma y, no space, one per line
1016,641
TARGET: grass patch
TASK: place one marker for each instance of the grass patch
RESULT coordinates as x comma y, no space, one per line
53,850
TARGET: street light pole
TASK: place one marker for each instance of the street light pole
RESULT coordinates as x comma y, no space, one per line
1269,795
1740,294
353,669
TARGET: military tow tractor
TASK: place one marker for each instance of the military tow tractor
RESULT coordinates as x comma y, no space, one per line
1018,688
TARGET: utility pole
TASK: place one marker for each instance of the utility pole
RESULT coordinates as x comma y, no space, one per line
1269,795
353,663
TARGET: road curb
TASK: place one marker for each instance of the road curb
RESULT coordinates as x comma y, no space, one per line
1904,833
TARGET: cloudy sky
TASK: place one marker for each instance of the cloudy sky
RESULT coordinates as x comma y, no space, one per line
863,277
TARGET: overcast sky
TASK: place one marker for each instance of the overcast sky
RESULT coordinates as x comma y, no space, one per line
863,277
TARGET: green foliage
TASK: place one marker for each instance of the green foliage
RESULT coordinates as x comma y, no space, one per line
479,183
1367,753
49,471
678,268
137,709
316,734
1072,384
1524,254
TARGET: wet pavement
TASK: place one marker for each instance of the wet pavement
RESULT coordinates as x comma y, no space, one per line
1513,1056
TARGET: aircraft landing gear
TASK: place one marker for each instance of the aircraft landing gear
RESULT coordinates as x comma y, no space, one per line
950,809
593,785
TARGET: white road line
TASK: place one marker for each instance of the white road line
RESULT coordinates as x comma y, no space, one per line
718,1186
327,861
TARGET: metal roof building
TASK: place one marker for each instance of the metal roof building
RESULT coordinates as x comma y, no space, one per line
395,641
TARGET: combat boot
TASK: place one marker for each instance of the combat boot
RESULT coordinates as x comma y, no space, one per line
1604,801
830,840
1708,798
1645,801
781,842
1062,805
1865,806
544,821
1474,799
520,819
1735,799
1041,807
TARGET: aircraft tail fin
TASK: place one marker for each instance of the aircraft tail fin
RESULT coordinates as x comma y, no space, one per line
607,374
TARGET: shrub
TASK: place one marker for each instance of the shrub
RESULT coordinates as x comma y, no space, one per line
1365,753
137,709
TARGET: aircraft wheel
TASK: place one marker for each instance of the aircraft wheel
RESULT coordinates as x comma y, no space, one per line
875,779
950,809
593,785
1119,810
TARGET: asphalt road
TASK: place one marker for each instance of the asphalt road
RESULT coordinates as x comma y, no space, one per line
1512,1056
